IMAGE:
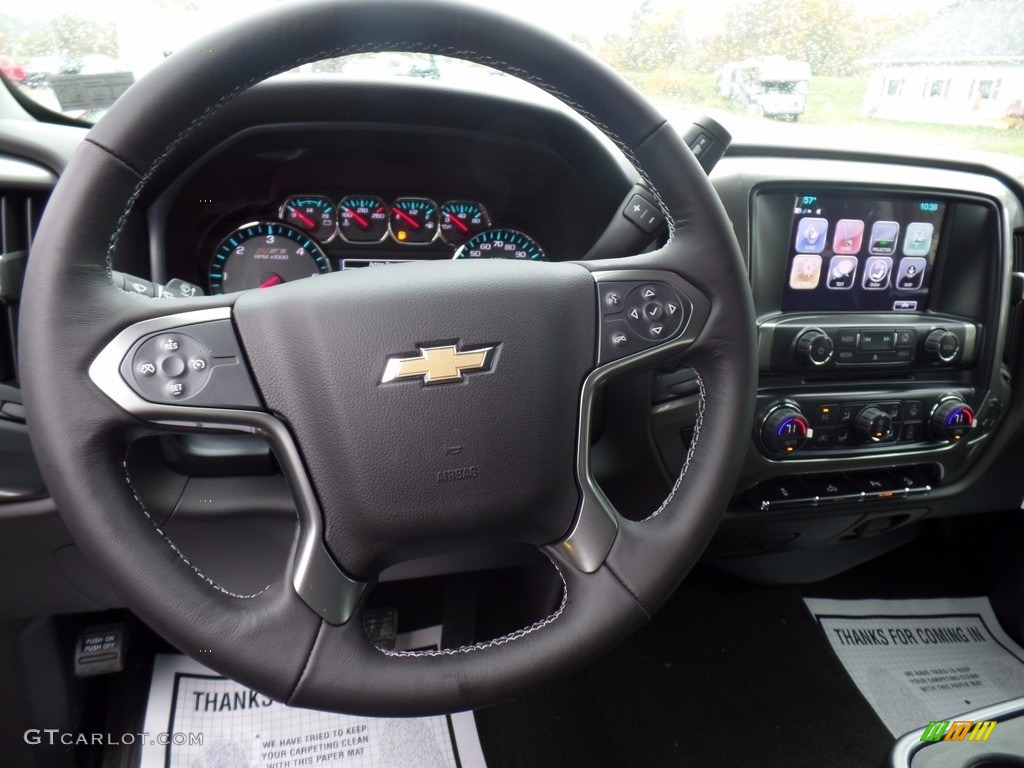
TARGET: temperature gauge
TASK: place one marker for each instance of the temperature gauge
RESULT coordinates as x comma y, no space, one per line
461,219
414,220
363,219
313,214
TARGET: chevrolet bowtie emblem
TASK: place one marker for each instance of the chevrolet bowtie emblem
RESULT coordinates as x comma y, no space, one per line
437,365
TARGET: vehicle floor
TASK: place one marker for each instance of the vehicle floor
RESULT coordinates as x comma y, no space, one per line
728,673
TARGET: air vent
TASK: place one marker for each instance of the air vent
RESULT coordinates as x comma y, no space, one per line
20,210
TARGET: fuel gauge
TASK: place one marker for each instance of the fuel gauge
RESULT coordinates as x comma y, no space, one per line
461,219
414,220
313,214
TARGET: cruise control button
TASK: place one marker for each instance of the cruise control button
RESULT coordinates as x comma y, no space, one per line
146,368
175,389
170,344
197,364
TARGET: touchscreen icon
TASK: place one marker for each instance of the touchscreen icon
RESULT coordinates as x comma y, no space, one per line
849,236
810,235
876,273
806,272
910,275
918,239
841,272
883,238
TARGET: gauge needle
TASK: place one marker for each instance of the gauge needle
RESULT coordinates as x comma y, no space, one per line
304,220
272,280
406,218
359,220
459,225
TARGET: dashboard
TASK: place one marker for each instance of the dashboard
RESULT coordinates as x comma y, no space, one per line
883,289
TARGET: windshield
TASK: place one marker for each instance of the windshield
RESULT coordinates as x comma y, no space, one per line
947,73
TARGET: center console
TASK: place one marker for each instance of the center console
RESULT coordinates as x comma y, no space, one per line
873,317
882,299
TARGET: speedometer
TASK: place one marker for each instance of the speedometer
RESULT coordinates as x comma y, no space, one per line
263,254
501,244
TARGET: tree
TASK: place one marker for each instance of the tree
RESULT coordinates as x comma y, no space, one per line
823,33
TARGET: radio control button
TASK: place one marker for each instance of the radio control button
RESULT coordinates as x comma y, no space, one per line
876,341
906,337
847,337
942,346
814,348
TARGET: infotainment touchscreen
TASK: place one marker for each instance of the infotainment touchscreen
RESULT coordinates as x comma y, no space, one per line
861,254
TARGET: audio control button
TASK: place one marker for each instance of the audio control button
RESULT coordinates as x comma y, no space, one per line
942,346
876,340
906,337
847,337
814,348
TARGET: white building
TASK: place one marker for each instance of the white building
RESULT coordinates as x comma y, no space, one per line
955,70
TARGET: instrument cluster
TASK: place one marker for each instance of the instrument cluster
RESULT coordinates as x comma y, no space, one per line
314,235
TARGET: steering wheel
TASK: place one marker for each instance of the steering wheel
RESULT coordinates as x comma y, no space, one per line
363,381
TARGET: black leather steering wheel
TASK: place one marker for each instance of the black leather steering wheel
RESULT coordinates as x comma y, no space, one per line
523,347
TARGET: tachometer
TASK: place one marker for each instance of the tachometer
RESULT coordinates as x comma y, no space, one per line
501,244
263,254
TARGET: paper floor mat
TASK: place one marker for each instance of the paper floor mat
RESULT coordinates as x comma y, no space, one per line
918,661
197,719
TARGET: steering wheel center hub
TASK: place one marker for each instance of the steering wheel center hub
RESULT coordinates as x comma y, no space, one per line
435,404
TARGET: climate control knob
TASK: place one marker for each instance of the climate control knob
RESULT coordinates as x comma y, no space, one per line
785,430
874,425
814,348
951,420
942,346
